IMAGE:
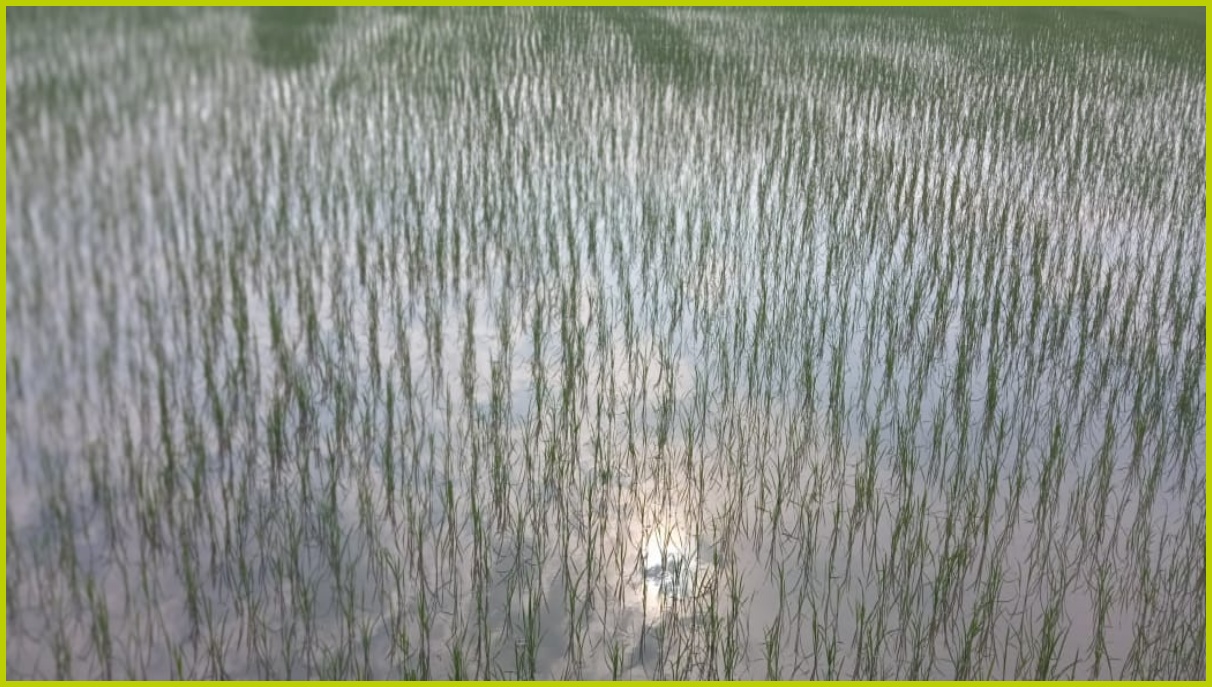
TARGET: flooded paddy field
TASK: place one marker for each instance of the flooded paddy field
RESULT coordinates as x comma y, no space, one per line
644,343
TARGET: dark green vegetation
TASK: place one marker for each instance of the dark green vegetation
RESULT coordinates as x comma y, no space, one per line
702,343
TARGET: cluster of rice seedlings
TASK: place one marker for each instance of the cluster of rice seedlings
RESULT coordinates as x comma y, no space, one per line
559,344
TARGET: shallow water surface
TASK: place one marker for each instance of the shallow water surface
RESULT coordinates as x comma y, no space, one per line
640,343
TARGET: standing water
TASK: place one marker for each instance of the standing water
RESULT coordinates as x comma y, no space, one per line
643,343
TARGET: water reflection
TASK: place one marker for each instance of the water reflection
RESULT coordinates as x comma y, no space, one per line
604,344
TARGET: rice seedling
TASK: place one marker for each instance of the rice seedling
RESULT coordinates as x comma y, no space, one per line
533,343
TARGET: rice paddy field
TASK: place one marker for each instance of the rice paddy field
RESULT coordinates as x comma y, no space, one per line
596,343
